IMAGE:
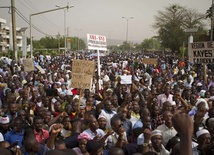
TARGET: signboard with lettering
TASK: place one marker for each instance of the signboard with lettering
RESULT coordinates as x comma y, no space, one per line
96,42
80,80
201,52
149,61
28,64
83,66
82,73
126,79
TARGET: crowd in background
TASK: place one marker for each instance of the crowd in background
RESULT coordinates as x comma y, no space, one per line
167,109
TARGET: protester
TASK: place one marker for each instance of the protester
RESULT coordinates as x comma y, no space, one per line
152,111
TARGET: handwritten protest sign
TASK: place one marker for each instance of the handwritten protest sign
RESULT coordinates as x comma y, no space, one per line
126,79
82,72
40,69
28,64
149,61
83,66
201,52
80,80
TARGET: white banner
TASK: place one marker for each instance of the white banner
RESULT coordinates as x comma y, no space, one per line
126,79
96,42
201,52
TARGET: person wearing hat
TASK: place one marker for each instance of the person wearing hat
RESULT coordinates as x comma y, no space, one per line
4,124
82,139
203,139
102,123
156,142
17,132
107,112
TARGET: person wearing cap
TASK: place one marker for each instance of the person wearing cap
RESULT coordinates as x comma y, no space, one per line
102,123
4,124
156,142
107,112
203,139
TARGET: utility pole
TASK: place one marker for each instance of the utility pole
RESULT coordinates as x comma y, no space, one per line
58,38
14,29
38,13
212,22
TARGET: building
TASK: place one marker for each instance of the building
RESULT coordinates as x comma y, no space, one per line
6,41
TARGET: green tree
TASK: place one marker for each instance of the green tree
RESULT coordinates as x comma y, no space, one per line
151,43
171,23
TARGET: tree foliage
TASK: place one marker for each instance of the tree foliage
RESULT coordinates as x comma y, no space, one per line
55,43
151,43
172,22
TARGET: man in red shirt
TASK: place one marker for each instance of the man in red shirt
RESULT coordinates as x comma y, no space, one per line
40,134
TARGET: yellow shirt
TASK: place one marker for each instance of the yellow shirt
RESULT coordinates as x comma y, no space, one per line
136,115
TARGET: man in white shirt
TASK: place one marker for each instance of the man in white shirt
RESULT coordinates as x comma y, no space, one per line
108,113
165,97
93,131
167,129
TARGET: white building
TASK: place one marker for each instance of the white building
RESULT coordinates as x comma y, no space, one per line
6,41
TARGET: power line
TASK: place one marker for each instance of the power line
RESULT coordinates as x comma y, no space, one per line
37,10
27,21
44,19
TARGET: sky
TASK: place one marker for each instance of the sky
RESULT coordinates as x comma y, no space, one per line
101,17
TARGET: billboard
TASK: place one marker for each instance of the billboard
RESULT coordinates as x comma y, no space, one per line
96,42
201,52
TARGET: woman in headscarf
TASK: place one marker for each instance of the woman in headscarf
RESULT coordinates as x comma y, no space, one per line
83,139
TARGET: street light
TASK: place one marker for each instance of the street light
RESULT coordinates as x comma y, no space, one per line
38,14
127,27
109,40
78,30
65,34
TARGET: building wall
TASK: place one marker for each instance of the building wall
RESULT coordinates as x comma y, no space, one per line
6,42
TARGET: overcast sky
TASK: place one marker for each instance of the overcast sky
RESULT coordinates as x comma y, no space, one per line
103,17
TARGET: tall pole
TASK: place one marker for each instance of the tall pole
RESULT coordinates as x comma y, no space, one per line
14,29
65,30
212,21
59,8
31,42
127,28
58,38
78,30
109,42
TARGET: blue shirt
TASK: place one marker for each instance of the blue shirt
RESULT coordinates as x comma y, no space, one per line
138,124
12,137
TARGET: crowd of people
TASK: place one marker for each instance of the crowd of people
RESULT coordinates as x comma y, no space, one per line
166,110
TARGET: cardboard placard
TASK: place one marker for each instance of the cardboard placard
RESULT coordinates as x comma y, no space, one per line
201,52
150,61
28,65
126,79
40,69
83,66
82,73
80,80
